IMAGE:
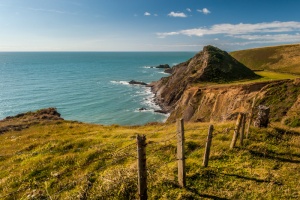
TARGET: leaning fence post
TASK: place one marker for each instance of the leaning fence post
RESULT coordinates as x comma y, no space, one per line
242,133
236,131
180,153
142,171
250,117
208,144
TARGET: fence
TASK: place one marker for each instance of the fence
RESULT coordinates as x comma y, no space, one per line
141,144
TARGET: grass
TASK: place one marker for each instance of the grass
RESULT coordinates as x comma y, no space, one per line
269,75
284,58
264,77
72,160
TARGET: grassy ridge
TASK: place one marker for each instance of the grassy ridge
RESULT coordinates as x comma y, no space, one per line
71,160
285,58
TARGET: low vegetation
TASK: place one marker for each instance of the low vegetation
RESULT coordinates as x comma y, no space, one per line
43,156
57,159
285,58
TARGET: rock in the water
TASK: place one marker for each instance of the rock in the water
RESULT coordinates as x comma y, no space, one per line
165,66
133,82
161,111
143,108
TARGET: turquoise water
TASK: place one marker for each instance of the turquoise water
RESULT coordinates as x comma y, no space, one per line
87,86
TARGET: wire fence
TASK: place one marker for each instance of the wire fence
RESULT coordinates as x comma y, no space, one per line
154,148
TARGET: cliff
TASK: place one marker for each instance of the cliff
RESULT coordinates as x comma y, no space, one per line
209,65
222,103
194,92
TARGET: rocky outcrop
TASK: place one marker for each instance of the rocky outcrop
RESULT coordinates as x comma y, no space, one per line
194,92
133,82
169,71
25,120
210,65
165,66
223,103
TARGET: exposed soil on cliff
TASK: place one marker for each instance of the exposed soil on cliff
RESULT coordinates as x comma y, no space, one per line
209,65
183,94
202,104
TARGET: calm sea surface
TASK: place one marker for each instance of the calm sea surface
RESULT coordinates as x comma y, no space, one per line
89,87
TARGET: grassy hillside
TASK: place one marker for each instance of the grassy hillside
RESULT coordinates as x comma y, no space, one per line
285,58
56,159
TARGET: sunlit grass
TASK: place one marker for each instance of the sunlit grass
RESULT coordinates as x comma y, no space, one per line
284,58
265,77
71,160
269,75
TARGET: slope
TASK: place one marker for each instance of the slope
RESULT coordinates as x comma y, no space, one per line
285,58
211,65
57,159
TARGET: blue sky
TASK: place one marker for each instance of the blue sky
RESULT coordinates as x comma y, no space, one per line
146,25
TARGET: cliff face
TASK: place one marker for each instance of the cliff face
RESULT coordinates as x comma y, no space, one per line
202,104
181,95
209,65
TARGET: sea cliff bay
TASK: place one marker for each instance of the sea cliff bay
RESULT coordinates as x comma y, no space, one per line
44,156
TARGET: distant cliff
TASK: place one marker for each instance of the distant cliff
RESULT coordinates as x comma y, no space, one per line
184,93
209,65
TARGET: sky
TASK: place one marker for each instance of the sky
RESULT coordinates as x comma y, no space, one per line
146,25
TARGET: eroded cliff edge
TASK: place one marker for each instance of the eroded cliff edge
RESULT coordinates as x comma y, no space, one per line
196,91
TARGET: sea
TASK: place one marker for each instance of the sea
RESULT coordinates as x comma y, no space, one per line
89,87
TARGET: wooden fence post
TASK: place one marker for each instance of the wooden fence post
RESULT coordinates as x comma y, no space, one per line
142,171
208,144
242,133
236,131
250,117
180,153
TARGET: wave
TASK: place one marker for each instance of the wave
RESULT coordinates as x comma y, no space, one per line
147,67
120,82
164,73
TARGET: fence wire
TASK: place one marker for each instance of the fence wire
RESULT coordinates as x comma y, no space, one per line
154,148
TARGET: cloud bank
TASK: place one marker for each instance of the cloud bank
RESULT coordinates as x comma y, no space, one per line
238,29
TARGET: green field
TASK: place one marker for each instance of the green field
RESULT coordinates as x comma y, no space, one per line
72,160
285,58
269,75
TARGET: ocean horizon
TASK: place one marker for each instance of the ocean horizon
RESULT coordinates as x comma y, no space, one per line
90,87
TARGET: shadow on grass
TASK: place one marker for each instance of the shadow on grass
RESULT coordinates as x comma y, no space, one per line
252,179
206,195
286,132
273,157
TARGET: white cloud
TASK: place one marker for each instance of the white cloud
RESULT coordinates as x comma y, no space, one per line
155,15
177,14
270,38
189,10
238,29
147,14
204,11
